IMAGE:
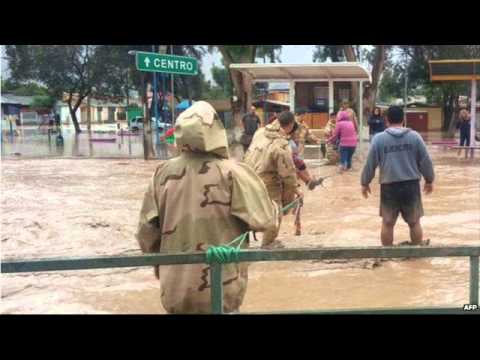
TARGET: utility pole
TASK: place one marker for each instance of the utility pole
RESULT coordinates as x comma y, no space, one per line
146,115
147,129
89,114
155,102
163,49
173,91
128,93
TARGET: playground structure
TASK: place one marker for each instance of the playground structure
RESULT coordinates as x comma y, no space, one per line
460,70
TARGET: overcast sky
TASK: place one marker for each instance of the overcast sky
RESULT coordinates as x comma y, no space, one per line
290,54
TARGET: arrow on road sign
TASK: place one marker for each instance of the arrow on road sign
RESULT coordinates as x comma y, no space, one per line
147,62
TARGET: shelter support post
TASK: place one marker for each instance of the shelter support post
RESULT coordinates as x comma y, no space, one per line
292,95
473,115
360,114
331,105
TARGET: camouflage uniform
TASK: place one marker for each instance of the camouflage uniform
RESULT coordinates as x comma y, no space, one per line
198,199
332,153
270,156
302,135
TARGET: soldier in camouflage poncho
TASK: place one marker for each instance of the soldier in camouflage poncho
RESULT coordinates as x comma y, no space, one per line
295,138
271,157
198,199
331,149
302,135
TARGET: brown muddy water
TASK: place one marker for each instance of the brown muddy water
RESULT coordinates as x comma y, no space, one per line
88,207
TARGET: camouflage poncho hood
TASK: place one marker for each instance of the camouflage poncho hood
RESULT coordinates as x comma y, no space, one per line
199,129
274,130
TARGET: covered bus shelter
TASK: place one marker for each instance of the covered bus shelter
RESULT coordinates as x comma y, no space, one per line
460,70
317,89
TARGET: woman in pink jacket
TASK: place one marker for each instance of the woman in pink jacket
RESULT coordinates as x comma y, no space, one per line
347,133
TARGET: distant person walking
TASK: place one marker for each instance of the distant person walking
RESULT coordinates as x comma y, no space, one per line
463,124
251,123
376,123
346,133
403,159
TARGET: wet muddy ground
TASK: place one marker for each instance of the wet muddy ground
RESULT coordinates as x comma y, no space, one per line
87,207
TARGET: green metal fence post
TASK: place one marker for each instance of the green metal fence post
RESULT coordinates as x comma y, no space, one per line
216,288
474,279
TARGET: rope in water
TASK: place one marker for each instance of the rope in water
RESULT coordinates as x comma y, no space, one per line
228,253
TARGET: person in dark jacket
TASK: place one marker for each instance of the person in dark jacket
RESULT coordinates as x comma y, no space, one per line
251,123
376,123
464,125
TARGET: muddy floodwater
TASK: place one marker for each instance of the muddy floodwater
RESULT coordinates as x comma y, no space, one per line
61,207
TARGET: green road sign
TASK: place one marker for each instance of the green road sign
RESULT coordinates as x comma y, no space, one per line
171,64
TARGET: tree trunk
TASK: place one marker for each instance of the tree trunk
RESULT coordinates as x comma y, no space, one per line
450,112
73,114
370,95
89,115
350,56
241,88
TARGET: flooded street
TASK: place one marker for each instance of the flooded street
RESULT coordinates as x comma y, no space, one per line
101,143
72,207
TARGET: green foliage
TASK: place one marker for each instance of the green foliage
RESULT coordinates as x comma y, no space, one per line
23,89
41,102
222,79
325,53
232,83
215,93
391,85
75,69
272,52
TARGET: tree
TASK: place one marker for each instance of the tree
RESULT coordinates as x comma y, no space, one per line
325,53
351,53
23,89
43,102
391,85
444,93
242,88
272,52
222,79
75,70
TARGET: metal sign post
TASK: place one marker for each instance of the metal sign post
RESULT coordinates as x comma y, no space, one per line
473,116
172,85
155,103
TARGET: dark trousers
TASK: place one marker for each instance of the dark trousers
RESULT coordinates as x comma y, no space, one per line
346,154
465,138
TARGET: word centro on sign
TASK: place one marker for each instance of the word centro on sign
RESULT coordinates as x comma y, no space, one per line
170,64
166,63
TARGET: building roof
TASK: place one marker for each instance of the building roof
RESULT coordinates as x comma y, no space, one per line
99,102
339,71
454,70
279,86
16,100
273,102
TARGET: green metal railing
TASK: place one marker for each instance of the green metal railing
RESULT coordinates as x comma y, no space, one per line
102,262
